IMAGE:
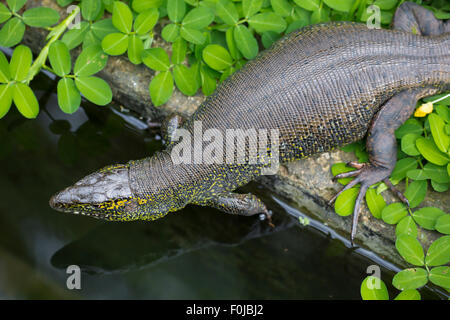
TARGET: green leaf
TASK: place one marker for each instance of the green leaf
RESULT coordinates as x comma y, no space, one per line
439,252
90,40
426,217
5,14
122,18
59,57
161,88
386,4
94,89
198,18
310,5
410,294
410,249
176,10
6,95
227,11
402,167
73,37
179,49
250,7
297,24
406,226
20,62
40,17
90,61
430,151
12,32
375,203
440,276
267,39
408,144
369,290
340,5
231,44
5,75
102,28
146,20
156,59
267,21
115,44
417,174
142,5
16,5
443,112
437,125
25,100
281,7
416,192
217,57
345,202
409,279
208,82
440,187
69,98
442,223
245,42
90,9
394,212
185,80
192,35
170,32
320,15
410,126
135,49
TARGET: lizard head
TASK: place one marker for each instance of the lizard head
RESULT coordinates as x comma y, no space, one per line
106,194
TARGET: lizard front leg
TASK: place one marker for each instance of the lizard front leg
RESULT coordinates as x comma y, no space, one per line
382,147
240,204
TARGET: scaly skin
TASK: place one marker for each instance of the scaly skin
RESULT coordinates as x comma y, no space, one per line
320,87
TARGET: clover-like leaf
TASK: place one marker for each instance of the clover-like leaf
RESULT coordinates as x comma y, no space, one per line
439,252
176,10
170,32
416,192
20,62
267,21
411,294
374,289
90,9
217,57
122,18
375,203
345,202
5,14
115,44
161,88
410,249
5,74
198,18
411,278
185,79
12,32
426,217
90,61
6,95
443,224
394,212
156,59
25,100
69,99
406,226
440,276
59,57
226,10
94,89
245,42
40,17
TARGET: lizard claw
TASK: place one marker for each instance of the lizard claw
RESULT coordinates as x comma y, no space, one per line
366,175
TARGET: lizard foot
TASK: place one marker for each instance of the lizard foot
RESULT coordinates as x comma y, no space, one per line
366,174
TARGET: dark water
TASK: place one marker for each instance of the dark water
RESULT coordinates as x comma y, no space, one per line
197,253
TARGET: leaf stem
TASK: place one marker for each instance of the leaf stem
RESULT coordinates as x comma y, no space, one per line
54,35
